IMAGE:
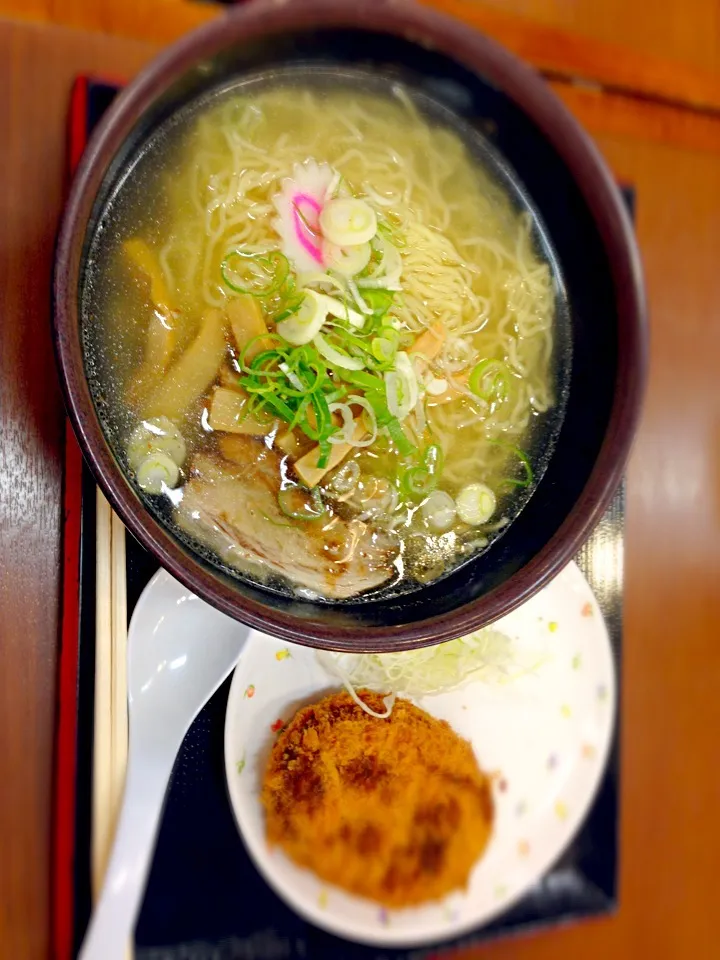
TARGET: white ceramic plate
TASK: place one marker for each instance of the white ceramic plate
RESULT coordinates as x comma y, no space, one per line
545,737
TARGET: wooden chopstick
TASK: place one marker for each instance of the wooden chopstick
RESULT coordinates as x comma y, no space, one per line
102,799
110,746
119,690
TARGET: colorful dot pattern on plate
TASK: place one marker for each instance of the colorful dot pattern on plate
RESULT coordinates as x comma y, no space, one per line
545,736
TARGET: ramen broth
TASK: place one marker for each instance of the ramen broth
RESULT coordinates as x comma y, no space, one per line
321,335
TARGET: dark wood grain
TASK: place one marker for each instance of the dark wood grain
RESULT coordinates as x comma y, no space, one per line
36,68
602,43
684,31
604,112
622,44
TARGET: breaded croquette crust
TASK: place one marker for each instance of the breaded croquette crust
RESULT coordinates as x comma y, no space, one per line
396,810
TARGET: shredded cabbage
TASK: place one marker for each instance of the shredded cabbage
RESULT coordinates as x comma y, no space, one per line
484,655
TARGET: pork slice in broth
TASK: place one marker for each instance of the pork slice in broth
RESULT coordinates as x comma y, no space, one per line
231,505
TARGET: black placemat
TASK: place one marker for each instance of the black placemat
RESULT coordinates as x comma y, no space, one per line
205,900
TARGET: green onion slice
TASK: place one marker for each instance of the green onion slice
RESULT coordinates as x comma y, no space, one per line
290,308
384,350
325,448
379,301
433,458
418,481
399,438
278,405
367,381
336,355
421,479
265,337
490,380
524,463
258,274
298,503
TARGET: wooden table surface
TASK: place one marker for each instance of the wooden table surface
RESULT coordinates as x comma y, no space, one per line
671,706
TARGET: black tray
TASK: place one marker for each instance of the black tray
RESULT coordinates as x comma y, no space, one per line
205,900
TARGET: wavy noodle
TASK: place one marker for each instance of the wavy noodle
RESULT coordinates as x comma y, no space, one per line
468,258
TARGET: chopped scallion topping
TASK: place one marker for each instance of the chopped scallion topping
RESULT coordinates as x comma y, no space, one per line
257,274
490,380
300,504
527,479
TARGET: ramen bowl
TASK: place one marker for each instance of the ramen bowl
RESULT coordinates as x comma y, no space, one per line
544,158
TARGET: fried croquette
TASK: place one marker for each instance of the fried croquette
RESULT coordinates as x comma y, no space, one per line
395,810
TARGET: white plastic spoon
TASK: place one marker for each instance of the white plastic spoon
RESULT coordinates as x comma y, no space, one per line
179,652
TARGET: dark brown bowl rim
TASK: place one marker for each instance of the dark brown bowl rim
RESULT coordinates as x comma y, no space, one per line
482,55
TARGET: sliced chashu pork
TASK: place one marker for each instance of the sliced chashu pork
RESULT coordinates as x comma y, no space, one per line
230,503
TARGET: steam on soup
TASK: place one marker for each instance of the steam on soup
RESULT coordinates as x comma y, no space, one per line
324,339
